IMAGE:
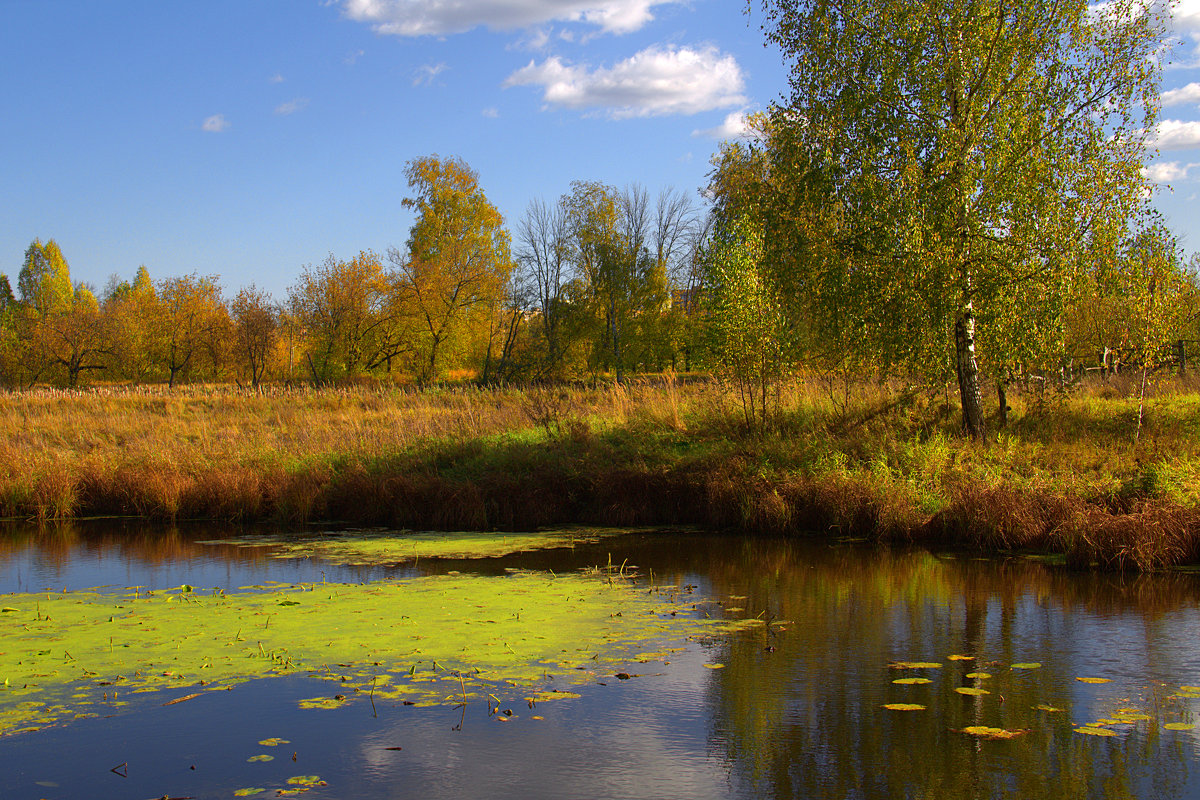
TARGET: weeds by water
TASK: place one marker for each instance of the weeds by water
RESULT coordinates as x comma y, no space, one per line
1065,475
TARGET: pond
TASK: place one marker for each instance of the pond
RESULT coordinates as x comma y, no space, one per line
148,662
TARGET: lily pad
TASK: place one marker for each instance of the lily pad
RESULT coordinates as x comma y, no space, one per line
1180,726
306,780
273,742
248,792
904,706
911,681
968,690
1049,709
1092,730
714,666
960,658
1027,665
984,732
1094,680
262,757
914,665
979,675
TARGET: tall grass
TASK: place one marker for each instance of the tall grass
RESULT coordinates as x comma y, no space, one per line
887,462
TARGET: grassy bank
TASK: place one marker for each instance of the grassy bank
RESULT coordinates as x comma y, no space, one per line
1065,476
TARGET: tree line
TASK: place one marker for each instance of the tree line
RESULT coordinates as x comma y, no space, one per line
951,194
597,282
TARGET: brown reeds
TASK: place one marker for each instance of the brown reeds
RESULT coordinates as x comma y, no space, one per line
1064,478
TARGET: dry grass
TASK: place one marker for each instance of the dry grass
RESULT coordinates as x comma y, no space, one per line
882,461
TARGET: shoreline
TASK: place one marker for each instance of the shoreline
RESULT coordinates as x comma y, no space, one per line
659,456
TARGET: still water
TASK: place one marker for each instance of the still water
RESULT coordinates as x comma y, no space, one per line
791,701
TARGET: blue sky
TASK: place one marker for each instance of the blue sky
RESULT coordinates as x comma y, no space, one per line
247,138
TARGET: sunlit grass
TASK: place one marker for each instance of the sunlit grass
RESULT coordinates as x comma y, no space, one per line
872,459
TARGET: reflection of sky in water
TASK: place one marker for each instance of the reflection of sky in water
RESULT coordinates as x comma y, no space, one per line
91,556
800,720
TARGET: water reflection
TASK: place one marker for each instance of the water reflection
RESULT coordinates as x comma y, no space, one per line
796,710
800,712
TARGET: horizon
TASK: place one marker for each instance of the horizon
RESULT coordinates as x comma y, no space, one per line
248,141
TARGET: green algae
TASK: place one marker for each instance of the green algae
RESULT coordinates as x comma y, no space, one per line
370,548
422,641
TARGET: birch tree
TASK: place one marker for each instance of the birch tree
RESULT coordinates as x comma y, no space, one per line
971,148
458,258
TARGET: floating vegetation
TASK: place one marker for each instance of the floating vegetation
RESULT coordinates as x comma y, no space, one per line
1179,726
371,548
911,681
967,690
984,732
979,675
1027,665
904,706
960,658
1093,680
914,665
1127,715
1092,730
1048,709
422,641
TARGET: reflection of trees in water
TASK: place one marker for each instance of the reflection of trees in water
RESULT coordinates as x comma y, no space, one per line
799,712
54,544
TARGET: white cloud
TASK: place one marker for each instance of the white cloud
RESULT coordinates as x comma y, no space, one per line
1175,134
425,74
1184,94
733,127
353,56
491,112
653,82
534,40
215,124
1166,171
291,106
1186,16
276,78
441,17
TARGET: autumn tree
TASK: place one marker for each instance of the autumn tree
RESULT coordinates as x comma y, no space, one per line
256,331
970,150
745,317
189,319
458,259
131,308
45,279
78,340
349,315
543,258
618,283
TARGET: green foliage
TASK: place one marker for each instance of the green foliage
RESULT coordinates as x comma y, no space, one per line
745,319
45,279
971,155
458,261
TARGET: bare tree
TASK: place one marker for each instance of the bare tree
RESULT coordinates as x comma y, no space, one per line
543,254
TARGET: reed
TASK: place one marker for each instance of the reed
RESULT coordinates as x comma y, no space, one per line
882,461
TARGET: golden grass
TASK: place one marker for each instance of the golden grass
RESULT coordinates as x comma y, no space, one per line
1065,476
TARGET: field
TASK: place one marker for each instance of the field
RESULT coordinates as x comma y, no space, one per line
1065,476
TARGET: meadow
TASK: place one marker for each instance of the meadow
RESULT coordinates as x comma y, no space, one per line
1069,476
